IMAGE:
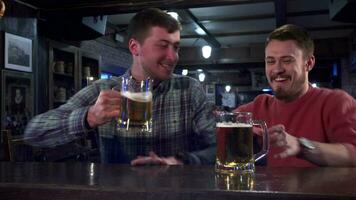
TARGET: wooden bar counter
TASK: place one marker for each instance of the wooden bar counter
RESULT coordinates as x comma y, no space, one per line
97,181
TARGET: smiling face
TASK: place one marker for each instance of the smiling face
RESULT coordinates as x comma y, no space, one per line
287,69
156,56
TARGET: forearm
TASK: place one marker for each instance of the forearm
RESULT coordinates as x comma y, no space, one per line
202,157
56,127
326,154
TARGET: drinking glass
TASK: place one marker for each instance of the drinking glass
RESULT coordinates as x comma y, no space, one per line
235,142
136,104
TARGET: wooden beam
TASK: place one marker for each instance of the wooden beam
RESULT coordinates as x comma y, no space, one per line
208,36
326,28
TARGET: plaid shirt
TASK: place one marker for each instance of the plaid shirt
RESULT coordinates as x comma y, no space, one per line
182,123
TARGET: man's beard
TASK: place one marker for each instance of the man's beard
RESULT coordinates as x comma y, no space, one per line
291,92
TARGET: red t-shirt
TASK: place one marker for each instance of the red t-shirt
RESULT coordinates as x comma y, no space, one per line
322,115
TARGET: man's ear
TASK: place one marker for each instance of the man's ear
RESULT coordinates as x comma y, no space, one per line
134,47
310,63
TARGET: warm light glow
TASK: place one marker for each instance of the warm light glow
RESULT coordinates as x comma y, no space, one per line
184,72
206,51
201,77
227,88
90,80
2,8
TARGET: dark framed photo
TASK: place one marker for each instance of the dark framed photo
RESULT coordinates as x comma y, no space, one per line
16,100
210,93
18,53
210,89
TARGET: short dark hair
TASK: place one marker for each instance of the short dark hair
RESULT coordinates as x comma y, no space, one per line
144,20
296,33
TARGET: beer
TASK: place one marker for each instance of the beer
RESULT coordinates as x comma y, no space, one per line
136,110
234,137
234,145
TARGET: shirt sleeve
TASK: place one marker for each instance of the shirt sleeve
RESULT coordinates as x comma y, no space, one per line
245,108
63,124
204,127
340,119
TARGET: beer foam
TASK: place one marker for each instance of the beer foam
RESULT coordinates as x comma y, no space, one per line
233,125
138,96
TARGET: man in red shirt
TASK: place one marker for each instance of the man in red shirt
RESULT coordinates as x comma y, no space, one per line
307,126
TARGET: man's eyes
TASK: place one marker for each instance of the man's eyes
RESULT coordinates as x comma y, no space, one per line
162,44
176,48
165,45
270,61
285,61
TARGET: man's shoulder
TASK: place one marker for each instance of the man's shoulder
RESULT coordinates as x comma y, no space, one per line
177,77
107,83
180,81
263,98
331,94
333,99
258,102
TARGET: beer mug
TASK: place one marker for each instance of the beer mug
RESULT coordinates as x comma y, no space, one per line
234,181
235,142
136,105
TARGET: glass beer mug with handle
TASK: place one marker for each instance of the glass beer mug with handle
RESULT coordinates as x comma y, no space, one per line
136,104
235,142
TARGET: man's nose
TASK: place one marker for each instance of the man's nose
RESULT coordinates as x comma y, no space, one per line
172,54
278,68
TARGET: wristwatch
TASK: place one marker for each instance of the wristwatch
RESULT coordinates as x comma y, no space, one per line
306,144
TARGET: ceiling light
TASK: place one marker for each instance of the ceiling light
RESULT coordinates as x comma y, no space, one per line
206,51
184,72
227,88
199,31
199,70
201,77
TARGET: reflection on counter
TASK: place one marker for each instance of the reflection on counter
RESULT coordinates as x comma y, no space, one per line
235,181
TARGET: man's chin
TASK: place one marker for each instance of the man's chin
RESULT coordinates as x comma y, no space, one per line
283,95
279,93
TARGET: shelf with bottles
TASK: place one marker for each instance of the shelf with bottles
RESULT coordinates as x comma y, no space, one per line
63,62
62,91
63,83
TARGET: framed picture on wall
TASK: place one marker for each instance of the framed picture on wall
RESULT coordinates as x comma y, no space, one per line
16,100
18,53
210,89
210,92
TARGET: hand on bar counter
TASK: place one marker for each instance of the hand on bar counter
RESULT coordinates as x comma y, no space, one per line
154,159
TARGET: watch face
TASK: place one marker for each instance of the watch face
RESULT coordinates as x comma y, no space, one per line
305,143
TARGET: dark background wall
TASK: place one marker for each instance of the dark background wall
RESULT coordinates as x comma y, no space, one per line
18,21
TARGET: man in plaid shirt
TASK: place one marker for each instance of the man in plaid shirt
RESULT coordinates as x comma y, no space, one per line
183,130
